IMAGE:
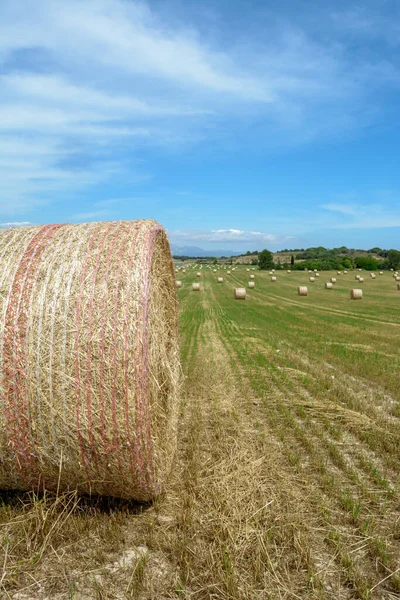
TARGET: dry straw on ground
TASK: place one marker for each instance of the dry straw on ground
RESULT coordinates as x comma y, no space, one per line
89,358
356,294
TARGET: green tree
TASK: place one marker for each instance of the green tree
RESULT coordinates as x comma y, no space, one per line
394,259
265,260
292,260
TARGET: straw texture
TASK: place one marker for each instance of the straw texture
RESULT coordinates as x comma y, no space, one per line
89,358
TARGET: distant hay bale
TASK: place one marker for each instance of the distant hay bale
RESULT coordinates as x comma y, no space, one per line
372,275
397,278
251,284
240,293
273,278
251,276
228,272
89,358
361,280
328,285
270,273
356,294
247,269
312,279
178,283
214,270
339,272
380,272
289,271
315,270
344,272
316,274
196,287
220,279
357,277
302,290
333,279
273,270
198,274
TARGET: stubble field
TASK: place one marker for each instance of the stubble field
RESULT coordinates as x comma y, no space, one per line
286,480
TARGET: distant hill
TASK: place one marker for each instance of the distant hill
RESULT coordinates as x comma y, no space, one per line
194,251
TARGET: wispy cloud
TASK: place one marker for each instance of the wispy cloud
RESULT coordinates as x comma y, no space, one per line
226,236
86,85
16,224
363,216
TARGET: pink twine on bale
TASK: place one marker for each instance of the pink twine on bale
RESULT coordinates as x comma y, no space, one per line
16,407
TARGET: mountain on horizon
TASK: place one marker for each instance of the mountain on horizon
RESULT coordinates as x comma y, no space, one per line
200,252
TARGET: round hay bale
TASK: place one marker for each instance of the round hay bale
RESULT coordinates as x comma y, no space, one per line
251,276
198,274
372,275
357,277
220,279
214,270
380,272
289,271
89,358
339,272
316,274
397,278
328,285
356,294
312,279
196,287
178,283
270,273
240,293
228,272
251,284
333,279
361,280
273,278
302,290
247,269
344,272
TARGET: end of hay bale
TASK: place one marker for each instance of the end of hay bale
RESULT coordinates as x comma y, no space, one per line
302,290
239,294
356,294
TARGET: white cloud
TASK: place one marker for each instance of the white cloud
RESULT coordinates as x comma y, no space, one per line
363,216
222,236
85,84
16,224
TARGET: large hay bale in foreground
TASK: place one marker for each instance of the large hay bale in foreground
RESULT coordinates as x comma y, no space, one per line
89,358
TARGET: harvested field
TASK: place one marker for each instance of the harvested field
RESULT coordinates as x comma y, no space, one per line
286,479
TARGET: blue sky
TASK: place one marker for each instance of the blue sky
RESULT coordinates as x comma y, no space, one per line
237,124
